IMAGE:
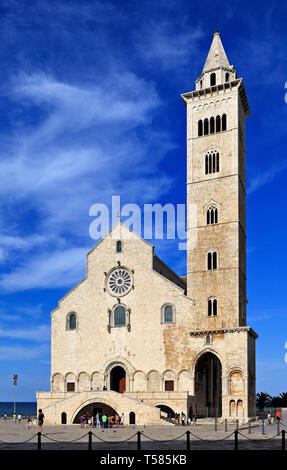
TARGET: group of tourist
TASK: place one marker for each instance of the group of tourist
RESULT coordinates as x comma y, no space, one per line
181,419
40,419
102,421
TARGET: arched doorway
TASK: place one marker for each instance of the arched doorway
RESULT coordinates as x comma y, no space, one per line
118,379
165,411
92,409
208,386
132,418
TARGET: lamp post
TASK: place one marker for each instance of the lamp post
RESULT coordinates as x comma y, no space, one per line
15,379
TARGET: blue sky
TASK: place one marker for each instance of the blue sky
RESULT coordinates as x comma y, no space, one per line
90,108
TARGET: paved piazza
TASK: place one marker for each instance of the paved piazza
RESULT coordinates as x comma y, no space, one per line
171,437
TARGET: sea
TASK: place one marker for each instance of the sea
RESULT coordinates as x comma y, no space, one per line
25,408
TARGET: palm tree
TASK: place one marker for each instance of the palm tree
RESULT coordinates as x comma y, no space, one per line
283,397
276,402
263,400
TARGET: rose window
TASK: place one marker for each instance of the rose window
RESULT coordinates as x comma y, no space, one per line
119,282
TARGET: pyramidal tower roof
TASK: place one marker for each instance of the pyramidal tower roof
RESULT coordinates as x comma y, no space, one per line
216,56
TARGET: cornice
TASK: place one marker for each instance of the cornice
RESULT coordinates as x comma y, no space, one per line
239,329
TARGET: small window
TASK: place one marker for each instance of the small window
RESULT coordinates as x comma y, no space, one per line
64,418
169,385
227,77
168,314
201,84
70,387
119,246
213,79
71,322
207,340
120,316
224,122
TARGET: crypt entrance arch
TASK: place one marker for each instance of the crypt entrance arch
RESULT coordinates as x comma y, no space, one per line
91,409
208,386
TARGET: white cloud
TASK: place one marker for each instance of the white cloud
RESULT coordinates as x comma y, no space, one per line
50,270
40,333
21,353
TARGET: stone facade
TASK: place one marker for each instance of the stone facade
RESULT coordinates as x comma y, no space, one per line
140,337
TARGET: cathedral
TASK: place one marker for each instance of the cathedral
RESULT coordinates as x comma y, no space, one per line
133,337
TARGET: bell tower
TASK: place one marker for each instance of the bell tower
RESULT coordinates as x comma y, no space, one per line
216,256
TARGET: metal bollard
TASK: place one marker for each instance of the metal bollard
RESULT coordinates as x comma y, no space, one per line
187,440
215,424
225,425
283,438
237,425
139,440
39,441
278,426
249,427
263,428
235,440
90,440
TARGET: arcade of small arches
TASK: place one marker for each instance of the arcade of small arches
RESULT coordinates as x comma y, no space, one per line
204,385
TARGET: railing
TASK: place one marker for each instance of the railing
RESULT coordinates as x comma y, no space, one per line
138,441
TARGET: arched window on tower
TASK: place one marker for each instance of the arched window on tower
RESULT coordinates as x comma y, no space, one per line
200,130
212,215
119,246
212,307
211,162
227,77
206,126
218,124
224,123
212,79
211,260
212,129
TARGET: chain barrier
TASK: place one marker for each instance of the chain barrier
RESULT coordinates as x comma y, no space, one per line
64,442
114,442
141,433
211,440
165,440
263,440
18,443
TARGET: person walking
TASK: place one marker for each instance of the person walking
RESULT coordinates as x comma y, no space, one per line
122,419
104,420
19,418
98,423
29,422
41,420
278,416
5,418
117,420
14,417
